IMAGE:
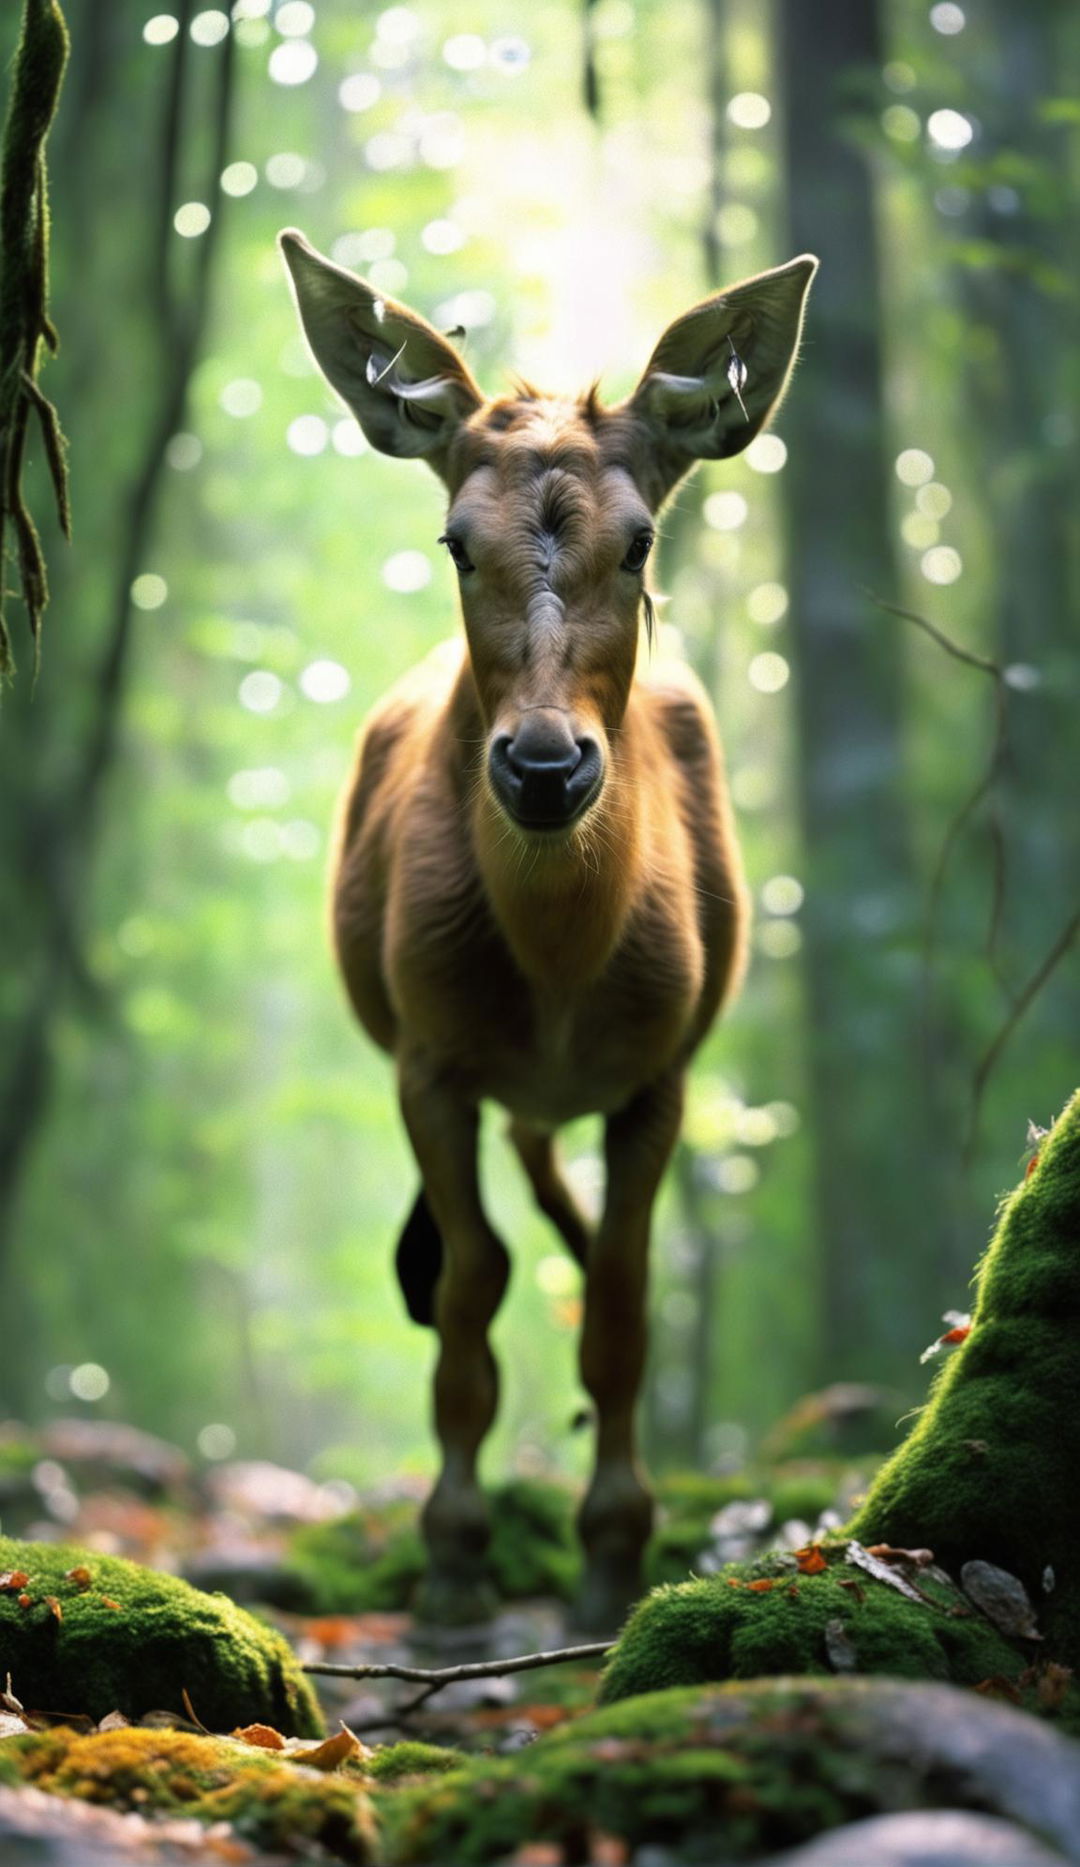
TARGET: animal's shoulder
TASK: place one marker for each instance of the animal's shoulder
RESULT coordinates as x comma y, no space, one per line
680,707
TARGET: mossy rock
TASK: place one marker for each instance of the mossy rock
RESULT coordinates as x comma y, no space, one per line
367,1562
132,1640
755,1620
988,1473
738,1771
273,1802
990,1470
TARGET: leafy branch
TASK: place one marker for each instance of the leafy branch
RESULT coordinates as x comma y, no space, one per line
24,315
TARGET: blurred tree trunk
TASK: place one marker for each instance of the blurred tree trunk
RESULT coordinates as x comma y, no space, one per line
1022,384
131,339
877,1218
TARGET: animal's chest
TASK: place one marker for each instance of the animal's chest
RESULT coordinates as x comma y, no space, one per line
546,1050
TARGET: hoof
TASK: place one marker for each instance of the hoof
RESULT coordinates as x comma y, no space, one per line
455,1601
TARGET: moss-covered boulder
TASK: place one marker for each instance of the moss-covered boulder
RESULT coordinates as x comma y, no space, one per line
987,1475
271,1800
990,1471
93,1634
734,1772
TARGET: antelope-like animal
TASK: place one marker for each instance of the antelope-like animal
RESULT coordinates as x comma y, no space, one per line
538,897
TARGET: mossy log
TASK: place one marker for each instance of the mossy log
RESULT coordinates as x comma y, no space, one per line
93,1634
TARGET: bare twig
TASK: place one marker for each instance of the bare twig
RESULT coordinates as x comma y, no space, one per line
1027,994
436,1677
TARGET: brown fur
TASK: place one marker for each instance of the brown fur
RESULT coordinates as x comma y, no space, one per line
562,972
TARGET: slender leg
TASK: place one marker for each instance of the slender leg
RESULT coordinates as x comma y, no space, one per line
616,1516
536,1150
443,1129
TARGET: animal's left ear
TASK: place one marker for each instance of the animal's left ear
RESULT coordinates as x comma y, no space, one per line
719,371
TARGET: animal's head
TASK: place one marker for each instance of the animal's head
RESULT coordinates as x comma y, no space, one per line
553,503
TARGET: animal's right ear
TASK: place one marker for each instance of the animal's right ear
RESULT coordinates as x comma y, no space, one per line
406,385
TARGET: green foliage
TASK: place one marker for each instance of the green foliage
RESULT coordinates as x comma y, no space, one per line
989,1470
117,1637
392,1764
272,1804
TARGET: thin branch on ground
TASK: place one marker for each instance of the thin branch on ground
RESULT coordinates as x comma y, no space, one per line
1024,998
436,1677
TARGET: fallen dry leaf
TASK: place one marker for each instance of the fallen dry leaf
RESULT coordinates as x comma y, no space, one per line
263,1736
343,1747
763,1586
115,1721
106,1601
54,1607
12,1580
919,1558
811,1561
881,1571
80,1575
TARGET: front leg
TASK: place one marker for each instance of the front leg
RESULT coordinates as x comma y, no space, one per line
443,1128
616,1516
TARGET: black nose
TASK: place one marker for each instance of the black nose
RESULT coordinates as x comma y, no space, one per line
543,776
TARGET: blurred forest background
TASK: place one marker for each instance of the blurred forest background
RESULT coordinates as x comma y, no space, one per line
202,1173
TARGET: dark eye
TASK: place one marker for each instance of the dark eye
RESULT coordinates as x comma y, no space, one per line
638,552
457,552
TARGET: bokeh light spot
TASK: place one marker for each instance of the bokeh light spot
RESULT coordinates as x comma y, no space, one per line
768,673
779,939
941,564
294,61
149,591
465,51
748,110
216,1441
239,178
407,572
359,91
348,439
947,18
782,894
767,603
914,467
209,27
725,512
766,454
260,691
294,19
901,123
325,681
307,435
161,29
89,1381
442,236
192,219
934,500
949,130
241,397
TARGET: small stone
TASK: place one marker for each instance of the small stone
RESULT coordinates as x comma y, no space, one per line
839,1650
1002,1598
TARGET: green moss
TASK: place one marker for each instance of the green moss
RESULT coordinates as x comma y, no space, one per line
687,1504
270,1801
722,1628
370,1562
990,1469
393,1763
159,1638
732,1771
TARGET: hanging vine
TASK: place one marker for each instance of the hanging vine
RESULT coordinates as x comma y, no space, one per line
24,301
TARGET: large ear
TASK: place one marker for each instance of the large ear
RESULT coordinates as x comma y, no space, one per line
407,387
719,371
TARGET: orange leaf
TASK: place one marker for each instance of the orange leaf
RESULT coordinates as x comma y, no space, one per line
81,1576
107,1601
762,1587
26,1601
339,1749
263,1736
959,1334
54,1607
1031,1166
12,1580
734,1582
810,1560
